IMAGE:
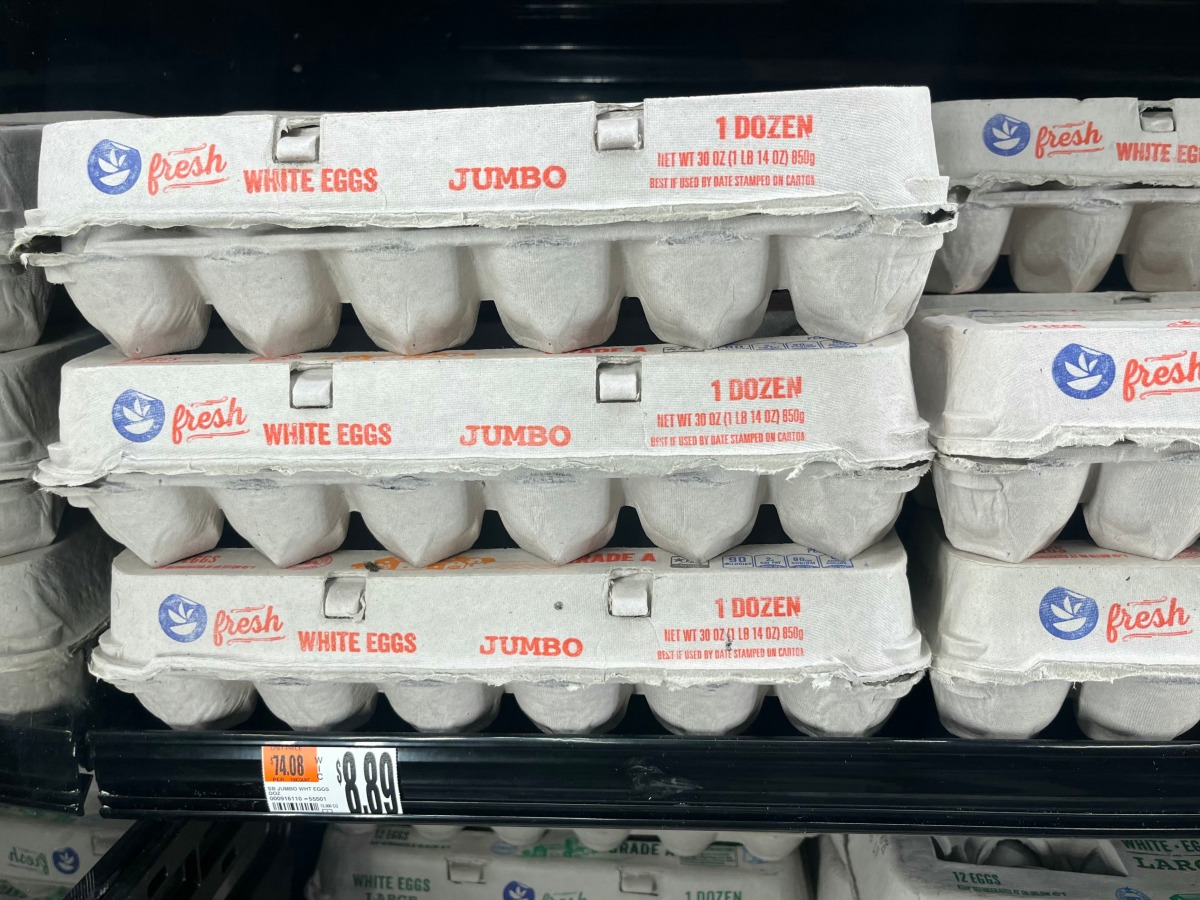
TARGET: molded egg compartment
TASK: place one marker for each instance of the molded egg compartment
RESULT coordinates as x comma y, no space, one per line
1010,376
1063,186
1134,501
285,449
24,304
1010,640
917,867
454,864
851,276
197,644
29,395
55,601
769,846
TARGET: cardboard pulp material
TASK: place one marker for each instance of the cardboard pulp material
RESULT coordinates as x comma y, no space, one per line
29,394
770,846
164,450
870,867
476,864
700,206
1039,402
56,600
1063,186
29,516
44,854
24,305
1008,640
24,292
196,641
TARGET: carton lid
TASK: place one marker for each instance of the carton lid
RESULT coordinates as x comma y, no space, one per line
1112,140
1017,376
780,153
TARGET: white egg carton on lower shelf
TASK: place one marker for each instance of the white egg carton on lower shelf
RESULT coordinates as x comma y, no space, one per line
1008,640
479,864
198,641
55,599
903,867
770,846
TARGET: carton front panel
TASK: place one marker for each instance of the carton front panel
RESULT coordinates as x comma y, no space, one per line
447,166
1052,383
1114,138
1098,608
645,402
768,608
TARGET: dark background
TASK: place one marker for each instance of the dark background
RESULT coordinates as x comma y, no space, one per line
201,57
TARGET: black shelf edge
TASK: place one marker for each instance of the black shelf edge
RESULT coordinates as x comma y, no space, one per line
40,764
745,783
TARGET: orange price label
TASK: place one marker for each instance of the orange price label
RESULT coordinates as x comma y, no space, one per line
290,764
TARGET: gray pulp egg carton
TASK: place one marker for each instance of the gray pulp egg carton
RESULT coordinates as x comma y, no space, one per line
770,846
55,601
29,393
903,867
24,292
163,450
1008,640
49,852
1063,186
199,640
699,206
476,865
1037,403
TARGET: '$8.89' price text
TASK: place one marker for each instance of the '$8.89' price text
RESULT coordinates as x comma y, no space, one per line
370,776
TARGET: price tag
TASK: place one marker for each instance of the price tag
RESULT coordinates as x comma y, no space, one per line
332,780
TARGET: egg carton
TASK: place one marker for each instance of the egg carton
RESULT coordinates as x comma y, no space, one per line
29,393
1064,186
477,864
24,292
769,846
903,867
29,516
196,643
46,853
1037,403
1008,640
24,305
699,206
163,450
56,600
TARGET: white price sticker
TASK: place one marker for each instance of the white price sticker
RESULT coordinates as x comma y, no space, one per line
332,781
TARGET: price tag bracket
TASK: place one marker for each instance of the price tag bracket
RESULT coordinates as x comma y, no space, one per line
350,781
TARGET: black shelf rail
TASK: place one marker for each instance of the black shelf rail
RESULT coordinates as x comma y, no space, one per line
39,762
771,780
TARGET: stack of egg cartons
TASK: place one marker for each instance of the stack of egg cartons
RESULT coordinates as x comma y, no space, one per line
1041,401
55,586
700,207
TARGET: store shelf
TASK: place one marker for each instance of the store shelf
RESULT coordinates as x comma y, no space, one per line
198,860
919,779
39,761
